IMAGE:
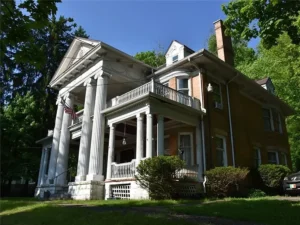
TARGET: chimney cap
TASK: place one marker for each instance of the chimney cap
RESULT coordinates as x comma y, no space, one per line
219,20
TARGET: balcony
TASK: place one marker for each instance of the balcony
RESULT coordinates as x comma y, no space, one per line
158,89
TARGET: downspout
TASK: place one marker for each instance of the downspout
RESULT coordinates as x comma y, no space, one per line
203,110
230,120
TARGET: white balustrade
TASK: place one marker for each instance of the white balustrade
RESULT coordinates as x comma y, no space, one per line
158,89
123,170
188,171
79,116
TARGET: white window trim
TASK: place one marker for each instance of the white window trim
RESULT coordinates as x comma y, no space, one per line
277,158
189,84
257,149
192,144
225,149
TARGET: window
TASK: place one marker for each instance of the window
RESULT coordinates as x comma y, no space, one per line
277,121
185,148
221,151
267,119
175,58
217,96
167,146
257,157
273,157
283,159
183,85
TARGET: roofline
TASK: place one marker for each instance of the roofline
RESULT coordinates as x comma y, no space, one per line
189,49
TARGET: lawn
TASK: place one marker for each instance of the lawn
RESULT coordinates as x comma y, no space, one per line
31,212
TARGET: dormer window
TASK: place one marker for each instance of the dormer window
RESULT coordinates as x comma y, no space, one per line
175,58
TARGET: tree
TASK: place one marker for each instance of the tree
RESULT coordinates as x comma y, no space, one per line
243,55
281,64
266,19
152,58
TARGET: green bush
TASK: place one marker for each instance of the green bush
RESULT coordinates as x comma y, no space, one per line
256,193
272,176
226,181
157,175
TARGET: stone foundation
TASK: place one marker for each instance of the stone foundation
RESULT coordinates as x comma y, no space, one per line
86,190
40,190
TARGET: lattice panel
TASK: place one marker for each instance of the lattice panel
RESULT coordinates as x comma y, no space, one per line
121,191
188,190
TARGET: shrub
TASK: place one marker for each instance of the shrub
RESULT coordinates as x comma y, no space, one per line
272,176
256,193
225,181
157,175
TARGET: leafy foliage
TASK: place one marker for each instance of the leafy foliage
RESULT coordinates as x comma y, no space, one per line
225,181
268,20
272,175
157,175
152,58
256,193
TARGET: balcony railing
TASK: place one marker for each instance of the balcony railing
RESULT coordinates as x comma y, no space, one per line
188,171
158,89
79,116
123,170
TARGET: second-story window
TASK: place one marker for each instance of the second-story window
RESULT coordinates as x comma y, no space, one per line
183,85
217,95
277,121
175,58
267,119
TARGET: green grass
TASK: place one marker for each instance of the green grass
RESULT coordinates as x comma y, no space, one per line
261,210
15,211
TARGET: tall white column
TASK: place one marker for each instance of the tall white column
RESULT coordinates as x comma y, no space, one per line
41,167
56,139
149,135
97,142
139,138
111,150
45,165
63,153
86,131
199,151
160,135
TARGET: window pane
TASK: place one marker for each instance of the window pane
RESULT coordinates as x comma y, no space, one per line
183,83
272,158
267,119
219,143
186,92
175,58
220,158
185,148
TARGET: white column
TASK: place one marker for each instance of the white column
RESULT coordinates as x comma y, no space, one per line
97,141
149,135
199,152
56,138
139,138
41,168
86,131
111,150
63,153
160,135
45,165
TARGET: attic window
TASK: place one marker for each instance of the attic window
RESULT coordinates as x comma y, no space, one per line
175,58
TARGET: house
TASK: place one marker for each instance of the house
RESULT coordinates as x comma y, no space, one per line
197,106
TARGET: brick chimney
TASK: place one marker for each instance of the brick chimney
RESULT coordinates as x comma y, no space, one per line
224,44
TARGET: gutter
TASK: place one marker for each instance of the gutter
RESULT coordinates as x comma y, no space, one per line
230,119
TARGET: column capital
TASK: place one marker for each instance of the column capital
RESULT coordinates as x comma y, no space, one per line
68,95
102,73
139,116
90,81
112,126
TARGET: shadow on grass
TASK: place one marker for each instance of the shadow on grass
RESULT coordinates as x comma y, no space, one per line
13,203
58,215
263,210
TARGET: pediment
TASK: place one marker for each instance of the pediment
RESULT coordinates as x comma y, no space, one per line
78,48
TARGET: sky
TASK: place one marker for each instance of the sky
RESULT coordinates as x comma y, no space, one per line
135,25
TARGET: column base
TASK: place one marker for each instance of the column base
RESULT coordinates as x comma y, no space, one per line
80,178
86,190
94,177
47,191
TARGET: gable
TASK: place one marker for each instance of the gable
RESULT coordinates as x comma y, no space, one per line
78,48
175,50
